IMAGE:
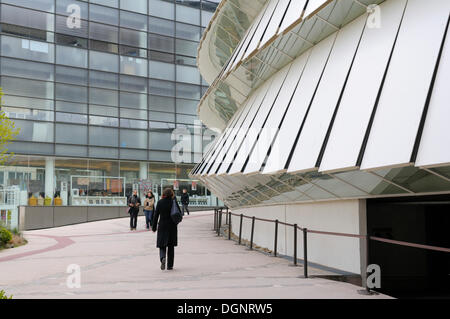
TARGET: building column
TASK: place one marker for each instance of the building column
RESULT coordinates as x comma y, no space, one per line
143,170
49,176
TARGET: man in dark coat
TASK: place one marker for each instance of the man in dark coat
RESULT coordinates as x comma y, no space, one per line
185,201
167,237
133,203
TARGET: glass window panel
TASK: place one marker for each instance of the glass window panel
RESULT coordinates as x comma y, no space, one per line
159,87
185,47
159,156
27,18
161,125
187,106
28,114
71,56
63,6
161,43
103,110
132,51
102,14
133,83
103,152
71,107
103,96
104,61
189,32
188,74
443,171
133,154
187,15
103,79
28,88
133,114
161,70
161,141
133,38
186,119
133,66
161,56
133,100
70,150
103,121
185,60
71,118
45,5
162,103
19,101
109,3
31,148
133,139
135,5
103,46
63,27
19,68
103,32
27,49
71,134
163,9
71,75
162,116
206,17
70,93
35,131
161,26
188,91
133,20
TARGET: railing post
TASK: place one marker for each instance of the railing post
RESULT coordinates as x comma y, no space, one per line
275,244
305,252
253,230
215,219
229,227
295,244
240,229
220,223
367,262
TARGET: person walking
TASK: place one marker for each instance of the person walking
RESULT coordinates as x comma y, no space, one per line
149,207
167,236
185,201
134,202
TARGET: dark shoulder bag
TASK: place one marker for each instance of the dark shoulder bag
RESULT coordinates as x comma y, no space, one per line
175,213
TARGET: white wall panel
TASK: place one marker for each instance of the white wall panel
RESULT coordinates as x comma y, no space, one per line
302,98
294,13
275,21
250,138
269,131
361,91
222,152
235,142
326,99
402,100
434,146
267,18
313,5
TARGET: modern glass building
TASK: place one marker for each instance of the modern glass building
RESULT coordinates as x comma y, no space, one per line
334,116
97,88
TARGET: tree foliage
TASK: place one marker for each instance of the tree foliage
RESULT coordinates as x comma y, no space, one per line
8,133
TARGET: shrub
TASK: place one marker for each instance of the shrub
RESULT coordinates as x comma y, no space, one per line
3,295
5,236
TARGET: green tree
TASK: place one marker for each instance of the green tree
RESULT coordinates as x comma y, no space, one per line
8,133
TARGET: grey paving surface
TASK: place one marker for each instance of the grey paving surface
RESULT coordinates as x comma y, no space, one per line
117,263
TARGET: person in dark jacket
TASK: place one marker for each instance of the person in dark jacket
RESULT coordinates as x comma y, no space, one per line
167,237
185,200
134,202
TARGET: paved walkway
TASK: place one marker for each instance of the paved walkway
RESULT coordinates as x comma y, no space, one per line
117,263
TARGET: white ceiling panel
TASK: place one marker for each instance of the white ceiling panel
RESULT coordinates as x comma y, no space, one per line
260,118
263,26
394,130
361,91
279,109
434,146
292,124
321,112
295,12
235,142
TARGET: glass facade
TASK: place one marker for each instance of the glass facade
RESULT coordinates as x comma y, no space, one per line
99,80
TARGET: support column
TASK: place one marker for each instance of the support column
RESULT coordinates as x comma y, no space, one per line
143,170
363,242
49,176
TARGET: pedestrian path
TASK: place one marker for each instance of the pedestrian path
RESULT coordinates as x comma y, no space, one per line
117,263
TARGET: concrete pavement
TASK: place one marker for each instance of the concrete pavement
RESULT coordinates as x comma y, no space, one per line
117,263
